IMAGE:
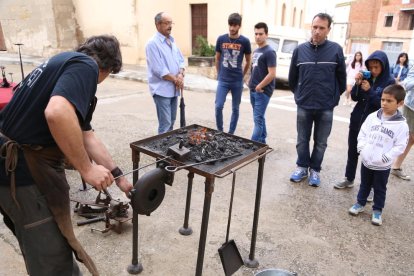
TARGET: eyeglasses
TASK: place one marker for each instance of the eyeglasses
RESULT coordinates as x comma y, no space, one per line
168,23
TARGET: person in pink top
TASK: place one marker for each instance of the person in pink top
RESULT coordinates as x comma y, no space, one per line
352,69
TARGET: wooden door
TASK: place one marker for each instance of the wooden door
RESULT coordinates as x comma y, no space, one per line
2,43
198,22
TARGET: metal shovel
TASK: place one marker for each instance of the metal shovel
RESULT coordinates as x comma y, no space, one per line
229,253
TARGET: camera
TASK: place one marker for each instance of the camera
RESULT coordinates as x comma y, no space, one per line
365,74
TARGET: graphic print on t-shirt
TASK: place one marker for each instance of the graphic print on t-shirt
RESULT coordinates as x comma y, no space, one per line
231,51
255,58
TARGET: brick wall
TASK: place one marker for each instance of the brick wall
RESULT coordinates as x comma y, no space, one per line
367,20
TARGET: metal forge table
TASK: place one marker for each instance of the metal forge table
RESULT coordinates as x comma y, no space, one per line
156,147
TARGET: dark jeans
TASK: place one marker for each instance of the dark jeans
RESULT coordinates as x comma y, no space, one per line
373,179
352,161
259,103
223,89
45,250
321,121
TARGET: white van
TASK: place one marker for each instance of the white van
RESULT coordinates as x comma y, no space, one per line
284,40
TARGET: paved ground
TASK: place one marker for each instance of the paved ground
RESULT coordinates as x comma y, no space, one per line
301,228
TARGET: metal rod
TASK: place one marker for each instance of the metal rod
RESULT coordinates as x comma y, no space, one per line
252,262
134,238
89,221
140,168
185,230
174,168
135,164
233,183
135,267
209,188
20,56
235,169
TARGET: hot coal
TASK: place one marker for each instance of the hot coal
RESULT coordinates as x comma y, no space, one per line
203,143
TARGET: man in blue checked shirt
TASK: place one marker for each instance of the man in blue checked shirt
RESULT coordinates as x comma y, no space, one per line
165,65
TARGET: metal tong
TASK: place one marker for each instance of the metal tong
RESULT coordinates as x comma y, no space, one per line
175,168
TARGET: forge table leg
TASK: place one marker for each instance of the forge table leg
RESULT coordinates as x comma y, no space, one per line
185,230
209,188
135,267
135,163
251,261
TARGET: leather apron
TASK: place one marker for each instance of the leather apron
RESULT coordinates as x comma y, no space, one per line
47,169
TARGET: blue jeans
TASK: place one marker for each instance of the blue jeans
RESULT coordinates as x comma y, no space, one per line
322,121
259,103
166,112
223,88
373,179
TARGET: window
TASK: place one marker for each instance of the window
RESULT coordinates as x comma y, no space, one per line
274,43
392,50
405,21
388,21
289,46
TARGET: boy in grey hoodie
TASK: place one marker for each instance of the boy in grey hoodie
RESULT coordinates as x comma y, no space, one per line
382,138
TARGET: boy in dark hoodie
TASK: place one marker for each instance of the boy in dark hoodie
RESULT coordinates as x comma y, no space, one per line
367,93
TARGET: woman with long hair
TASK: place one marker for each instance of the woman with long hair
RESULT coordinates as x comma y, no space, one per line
400,69
352,69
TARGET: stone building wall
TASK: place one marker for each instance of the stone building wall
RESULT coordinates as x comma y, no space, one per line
45,27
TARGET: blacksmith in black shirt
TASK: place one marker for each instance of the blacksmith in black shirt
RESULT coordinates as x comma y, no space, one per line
48,120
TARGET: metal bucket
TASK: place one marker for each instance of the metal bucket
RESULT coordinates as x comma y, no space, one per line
275,272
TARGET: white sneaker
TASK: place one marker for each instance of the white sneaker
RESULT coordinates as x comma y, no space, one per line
400,174
376,218
356,209
345,183
370,197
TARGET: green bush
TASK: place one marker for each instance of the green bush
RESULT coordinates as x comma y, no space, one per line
203,49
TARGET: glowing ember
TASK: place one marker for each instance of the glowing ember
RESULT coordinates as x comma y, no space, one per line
196,137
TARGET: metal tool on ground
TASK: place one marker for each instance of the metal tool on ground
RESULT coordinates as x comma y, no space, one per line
89,221
20,57
108,209
118,211
175,168
182,110
5,82
229,253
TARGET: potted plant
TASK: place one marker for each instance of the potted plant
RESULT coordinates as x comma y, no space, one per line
204,53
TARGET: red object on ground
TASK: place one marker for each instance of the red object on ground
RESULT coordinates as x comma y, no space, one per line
5,95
